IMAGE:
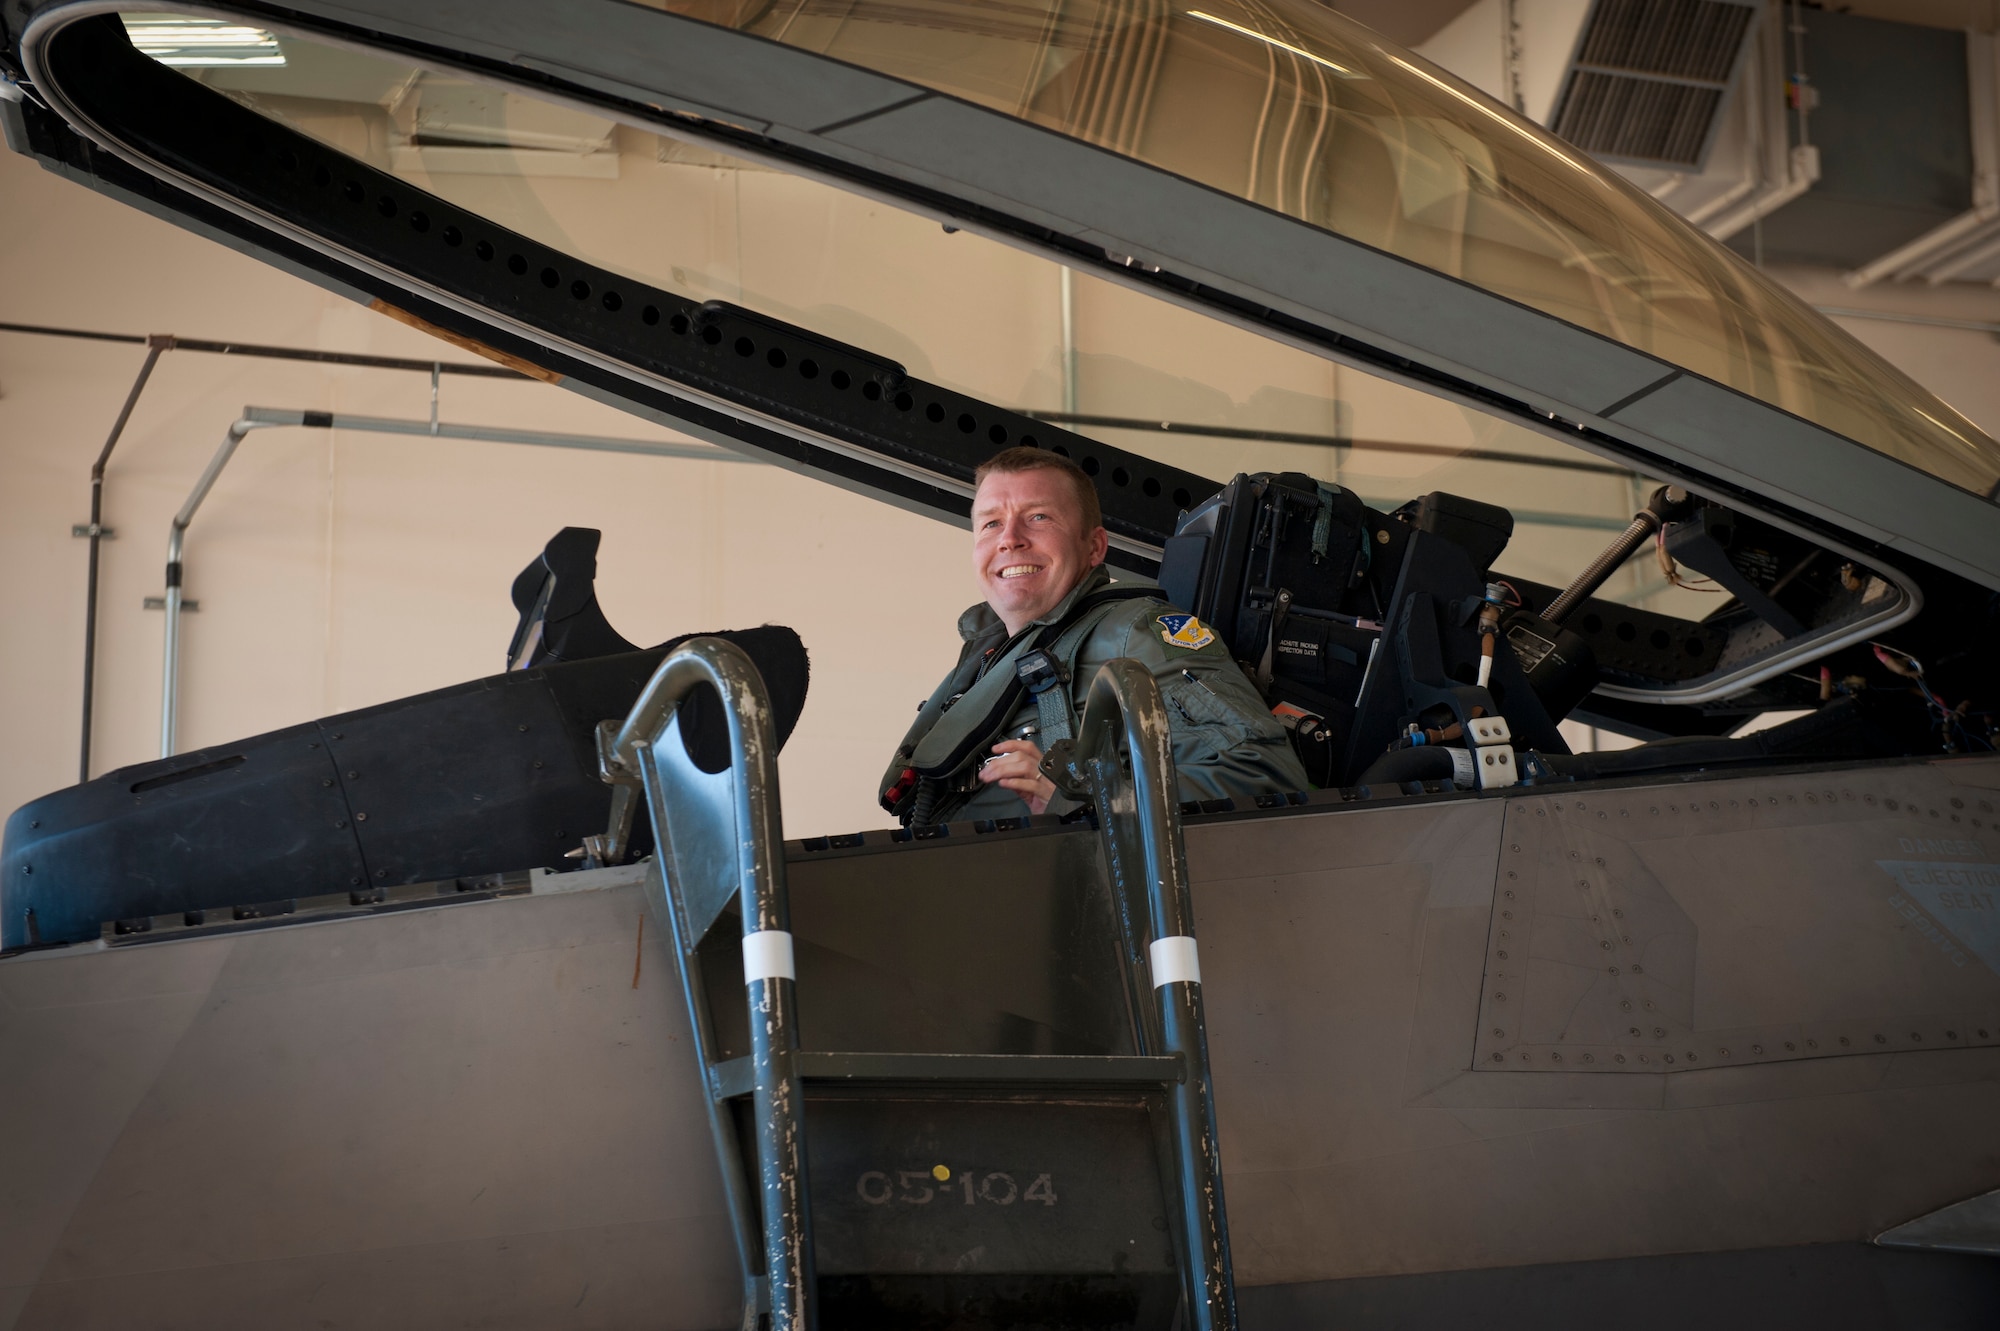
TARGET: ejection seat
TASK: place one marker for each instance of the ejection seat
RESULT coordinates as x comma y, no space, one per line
967,1088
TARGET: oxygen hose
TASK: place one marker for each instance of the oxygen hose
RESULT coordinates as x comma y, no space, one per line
925,804
1669,503
1404,765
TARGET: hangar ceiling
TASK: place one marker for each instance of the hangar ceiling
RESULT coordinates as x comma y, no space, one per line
1406,22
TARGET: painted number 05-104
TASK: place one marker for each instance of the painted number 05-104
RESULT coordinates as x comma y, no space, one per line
921,1187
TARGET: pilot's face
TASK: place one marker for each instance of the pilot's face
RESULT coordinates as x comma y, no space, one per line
1029,544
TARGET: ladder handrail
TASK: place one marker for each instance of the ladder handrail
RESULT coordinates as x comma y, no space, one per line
735,809
1123,757
719,837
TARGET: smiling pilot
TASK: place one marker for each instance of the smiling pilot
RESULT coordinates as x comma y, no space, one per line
1051,617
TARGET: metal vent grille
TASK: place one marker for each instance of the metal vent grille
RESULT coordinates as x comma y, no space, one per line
1638,119
1650,76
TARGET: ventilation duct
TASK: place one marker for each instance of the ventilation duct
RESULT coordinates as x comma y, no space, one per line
1649,79
1685,98
1903,124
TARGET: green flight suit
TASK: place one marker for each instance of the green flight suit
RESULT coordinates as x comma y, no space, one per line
1225,740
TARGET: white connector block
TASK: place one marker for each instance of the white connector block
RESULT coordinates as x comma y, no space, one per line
1494,767
1485,730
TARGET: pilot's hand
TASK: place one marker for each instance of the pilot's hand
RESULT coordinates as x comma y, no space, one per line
1017,765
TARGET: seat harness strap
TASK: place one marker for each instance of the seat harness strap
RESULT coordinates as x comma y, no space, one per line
982,712
1043,676
955,730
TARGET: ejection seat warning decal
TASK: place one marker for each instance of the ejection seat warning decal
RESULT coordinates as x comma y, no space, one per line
1185,631
1962,897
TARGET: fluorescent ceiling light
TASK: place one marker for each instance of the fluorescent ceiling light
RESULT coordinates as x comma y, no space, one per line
1254,35
201,43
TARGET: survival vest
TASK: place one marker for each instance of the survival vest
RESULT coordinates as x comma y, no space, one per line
934,770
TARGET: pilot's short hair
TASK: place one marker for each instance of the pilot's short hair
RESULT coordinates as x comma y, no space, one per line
1020,459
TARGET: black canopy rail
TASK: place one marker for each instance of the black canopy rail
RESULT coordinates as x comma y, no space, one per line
839,410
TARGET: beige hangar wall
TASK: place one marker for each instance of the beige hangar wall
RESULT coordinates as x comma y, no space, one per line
336,570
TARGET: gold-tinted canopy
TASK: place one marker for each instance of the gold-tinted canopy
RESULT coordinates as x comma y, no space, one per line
1288,105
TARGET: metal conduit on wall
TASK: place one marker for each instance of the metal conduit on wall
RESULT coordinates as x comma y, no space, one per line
155,344
264,418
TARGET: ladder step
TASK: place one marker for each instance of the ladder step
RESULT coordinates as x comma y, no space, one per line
734,1078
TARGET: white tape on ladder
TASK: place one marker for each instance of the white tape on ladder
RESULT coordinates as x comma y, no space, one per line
767,955
1173,959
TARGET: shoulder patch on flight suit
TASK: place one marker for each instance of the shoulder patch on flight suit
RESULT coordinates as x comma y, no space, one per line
1185,631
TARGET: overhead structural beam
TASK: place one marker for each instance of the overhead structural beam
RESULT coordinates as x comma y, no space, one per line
264,418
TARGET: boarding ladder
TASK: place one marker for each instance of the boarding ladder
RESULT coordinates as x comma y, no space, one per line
892,1187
